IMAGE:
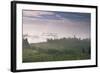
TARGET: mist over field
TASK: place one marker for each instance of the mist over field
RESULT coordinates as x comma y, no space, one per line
56,36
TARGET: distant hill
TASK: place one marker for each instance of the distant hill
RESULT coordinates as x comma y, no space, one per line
64,44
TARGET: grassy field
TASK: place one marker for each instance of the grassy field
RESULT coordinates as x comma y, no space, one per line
57,50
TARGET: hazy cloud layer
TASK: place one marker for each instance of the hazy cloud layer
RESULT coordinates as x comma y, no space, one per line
65,24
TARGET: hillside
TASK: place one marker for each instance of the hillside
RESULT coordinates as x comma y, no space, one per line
67,48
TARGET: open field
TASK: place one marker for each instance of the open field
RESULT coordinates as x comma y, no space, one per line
58,50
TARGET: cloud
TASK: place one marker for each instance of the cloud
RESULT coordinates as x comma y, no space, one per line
48,18
42,15
66,24
53,15
75,16
36,13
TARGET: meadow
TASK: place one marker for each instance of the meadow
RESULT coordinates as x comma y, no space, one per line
57,50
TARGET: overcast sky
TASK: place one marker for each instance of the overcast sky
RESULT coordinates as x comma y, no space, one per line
40,25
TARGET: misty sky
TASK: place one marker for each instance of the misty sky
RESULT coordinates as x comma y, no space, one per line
40,25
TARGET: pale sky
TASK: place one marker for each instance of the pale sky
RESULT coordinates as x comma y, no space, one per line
40,25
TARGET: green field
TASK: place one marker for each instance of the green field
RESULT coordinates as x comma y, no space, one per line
57,50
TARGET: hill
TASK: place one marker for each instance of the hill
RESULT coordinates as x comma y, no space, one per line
57,50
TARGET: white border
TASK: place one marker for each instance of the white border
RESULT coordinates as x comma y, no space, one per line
37,65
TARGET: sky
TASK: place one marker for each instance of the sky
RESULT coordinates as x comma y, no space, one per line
41,25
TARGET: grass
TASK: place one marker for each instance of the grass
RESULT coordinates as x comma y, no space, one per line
30,55
57,50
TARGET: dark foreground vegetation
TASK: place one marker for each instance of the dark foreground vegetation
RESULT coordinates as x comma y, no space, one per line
57,50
